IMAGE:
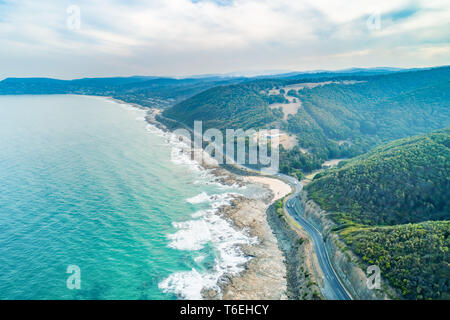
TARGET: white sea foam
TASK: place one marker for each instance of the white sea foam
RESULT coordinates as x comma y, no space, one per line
156,131
206,227
187,284
229,260
208,179
192,235
200,198
217,200
198,214
199,258
211,228
180,153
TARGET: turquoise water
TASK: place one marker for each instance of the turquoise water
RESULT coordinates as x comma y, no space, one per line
85,181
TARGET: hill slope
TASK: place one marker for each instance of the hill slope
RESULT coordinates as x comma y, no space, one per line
404,181
228,107
343,117
387,204
414,258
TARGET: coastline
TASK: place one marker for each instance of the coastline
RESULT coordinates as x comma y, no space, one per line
264,275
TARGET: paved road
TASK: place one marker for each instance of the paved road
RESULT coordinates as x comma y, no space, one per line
334,289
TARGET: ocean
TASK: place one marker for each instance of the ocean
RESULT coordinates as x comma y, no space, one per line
86,182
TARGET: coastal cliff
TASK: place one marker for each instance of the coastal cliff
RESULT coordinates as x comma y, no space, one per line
297,250
345,263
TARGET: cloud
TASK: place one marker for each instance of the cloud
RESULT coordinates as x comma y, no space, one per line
180,37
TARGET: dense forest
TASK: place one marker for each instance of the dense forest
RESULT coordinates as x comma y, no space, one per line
401,182
414,258
381,107
228,107
392,207
340,119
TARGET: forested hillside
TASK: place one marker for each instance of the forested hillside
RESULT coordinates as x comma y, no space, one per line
346,120
228,107
382,107
414,258
404,181
392,207
340,119
349,114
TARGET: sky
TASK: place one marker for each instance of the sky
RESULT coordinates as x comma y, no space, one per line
83,38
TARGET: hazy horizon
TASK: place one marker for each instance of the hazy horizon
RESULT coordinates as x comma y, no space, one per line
244,73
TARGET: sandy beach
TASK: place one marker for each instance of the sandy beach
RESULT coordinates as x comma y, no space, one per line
277,187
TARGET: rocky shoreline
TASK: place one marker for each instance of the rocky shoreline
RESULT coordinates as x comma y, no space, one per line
265,274
264,277
281,264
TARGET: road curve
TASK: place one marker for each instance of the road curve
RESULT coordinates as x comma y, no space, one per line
333,287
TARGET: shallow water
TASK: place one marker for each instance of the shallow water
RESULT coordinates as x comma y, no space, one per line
86,181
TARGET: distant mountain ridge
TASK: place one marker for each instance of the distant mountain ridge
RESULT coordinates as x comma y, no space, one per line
143,90
149,91
334,120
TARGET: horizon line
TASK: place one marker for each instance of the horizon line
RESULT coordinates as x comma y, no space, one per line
241,74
